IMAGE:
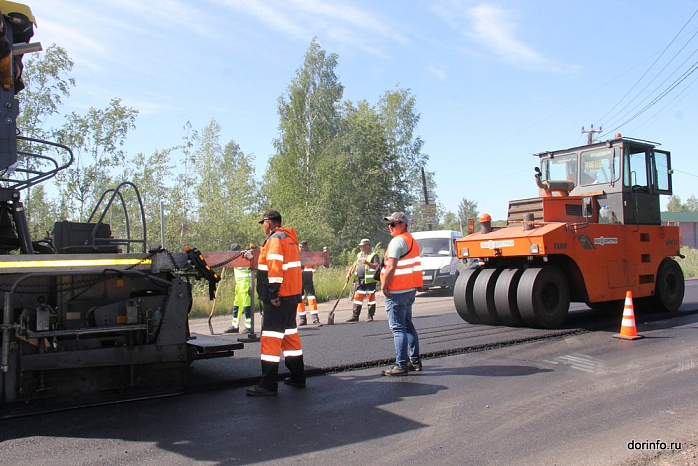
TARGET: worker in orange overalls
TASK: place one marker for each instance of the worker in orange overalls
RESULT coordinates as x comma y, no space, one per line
279,286
308,291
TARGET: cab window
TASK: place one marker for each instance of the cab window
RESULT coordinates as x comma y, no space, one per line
598,167
635,175
663,170
562,167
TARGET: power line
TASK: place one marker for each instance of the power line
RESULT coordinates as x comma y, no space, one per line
685,173
656,76
676,100
683,77
650,67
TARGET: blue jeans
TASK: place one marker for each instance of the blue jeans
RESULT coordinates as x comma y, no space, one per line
399,308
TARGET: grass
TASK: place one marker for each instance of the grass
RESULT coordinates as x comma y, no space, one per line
689,264
328,285
329,282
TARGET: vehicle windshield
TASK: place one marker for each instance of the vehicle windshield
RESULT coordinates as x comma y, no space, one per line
434,247
562,167
598,167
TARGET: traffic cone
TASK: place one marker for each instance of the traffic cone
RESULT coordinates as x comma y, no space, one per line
628,330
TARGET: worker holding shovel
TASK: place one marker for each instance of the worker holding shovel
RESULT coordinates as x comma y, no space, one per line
363,272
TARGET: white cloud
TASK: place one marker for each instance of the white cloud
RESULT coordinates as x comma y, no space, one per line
269,13
348,25
495,29
348,13
350,39
439,71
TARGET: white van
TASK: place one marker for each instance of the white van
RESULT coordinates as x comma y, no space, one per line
437,250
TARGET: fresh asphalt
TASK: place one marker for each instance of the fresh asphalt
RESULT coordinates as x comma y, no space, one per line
487,395
348,346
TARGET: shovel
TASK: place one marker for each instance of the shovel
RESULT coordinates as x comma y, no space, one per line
213,306
330,318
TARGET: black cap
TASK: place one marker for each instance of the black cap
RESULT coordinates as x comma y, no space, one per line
234,247
271,214
303,241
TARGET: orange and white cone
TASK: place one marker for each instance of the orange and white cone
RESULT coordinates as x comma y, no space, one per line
628,331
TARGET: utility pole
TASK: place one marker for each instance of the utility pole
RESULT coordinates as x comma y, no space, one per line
590,133
428,210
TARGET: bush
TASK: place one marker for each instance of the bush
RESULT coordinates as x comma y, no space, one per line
689,264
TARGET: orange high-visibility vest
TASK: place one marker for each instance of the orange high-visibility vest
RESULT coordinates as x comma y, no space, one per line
408,273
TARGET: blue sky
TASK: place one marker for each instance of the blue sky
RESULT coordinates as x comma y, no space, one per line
495,81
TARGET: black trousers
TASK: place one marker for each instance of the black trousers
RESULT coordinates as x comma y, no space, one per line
280,334
308,285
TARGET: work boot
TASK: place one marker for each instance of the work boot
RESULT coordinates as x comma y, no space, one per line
369,319
396,370
260,391
414,366
294,383
356,311
232,329
316,320
303,321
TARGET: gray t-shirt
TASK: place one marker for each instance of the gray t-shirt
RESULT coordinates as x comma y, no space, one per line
397,248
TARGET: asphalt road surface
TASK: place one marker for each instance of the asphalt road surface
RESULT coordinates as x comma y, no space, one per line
487,395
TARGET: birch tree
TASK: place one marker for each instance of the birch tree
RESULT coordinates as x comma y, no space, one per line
309,122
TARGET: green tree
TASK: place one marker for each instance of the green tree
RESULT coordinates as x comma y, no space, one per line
357,187
47,81
181,203
400,120
466,210
451,222
226,192
44,213
674,204
96,139
149,174
309,123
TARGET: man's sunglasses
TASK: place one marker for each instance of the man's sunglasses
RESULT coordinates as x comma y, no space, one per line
392,224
